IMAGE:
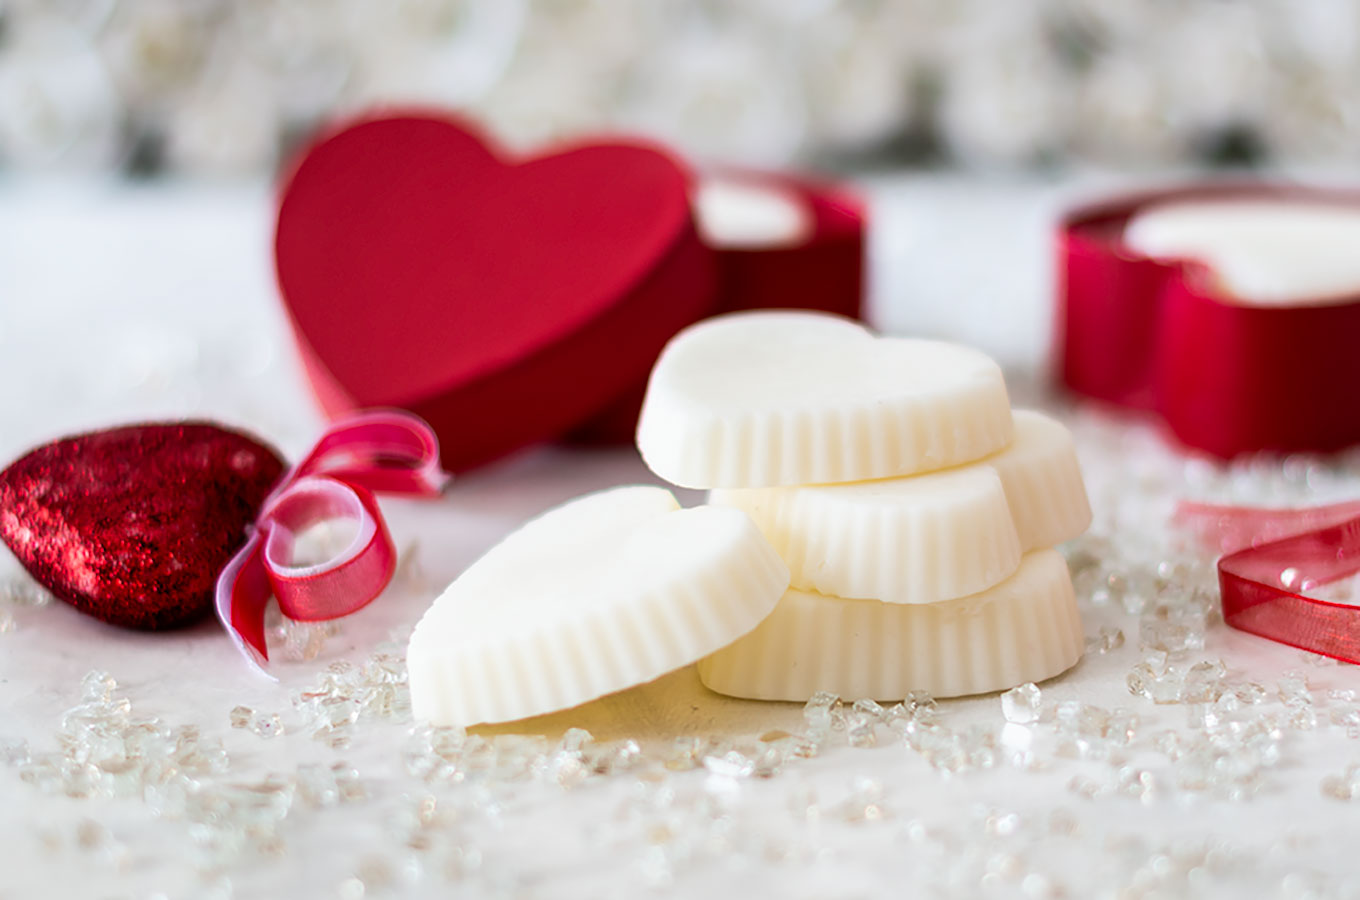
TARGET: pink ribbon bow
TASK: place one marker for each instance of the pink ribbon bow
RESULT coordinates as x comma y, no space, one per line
383,451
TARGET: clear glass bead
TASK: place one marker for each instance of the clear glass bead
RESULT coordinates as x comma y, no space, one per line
616,756
567,769
267,725
1023,704
575,740
1106,640
303,641
1293,689
1204,682
871,708
97,687
686,753
860,729
730,765
14,751
1337,787
1171,635
820,712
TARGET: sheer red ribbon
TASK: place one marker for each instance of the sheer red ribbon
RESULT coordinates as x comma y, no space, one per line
388,452
1274,558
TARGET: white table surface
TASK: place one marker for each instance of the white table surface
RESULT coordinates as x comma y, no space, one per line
120,303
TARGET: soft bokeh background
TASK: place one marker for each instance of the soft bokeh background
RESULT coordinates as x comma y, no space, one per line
213,86
139,140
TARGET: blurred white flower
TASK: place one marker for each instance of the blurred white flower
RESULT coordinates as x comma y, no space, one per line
301,48
154,50
568,70
1215,66
1007,101
856,76
227,123
445,52
58,106
721,95
1324,34
1121,108
223,83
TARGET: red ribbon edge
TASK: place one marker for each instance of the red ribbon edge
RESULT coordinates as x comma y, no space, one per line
387,451
1262,585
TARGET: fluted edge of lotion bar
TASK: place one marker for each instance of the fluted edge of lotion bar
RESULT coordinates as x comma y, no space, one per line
1027,628
921,552
929,537
858,442
1046,493
694,446
573,663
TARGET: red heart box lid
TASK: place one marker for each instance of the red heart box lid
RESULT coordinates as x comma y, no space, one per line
503,300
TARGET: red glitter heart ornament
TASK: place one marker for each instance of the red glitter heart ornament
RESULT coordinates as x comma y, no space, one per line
133,525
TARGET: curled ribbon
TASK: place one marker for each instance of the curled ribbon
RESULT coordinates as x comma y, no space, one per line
1273,558
387,452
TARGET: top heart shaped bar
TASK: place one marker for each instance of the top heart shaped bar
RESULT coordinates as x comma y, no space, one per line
782,398
502,301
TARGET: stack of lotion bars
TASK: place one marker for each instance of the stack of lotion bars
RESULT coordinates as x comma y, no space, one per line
918,530
879,523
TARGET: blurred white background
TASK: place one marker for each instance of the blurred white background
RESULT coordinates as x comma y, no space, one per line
212,86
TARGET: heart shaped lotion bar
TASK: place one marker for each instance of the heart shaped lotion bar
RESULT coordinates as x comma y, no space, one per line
763,399
1259,252
931,537
608,591
1027,628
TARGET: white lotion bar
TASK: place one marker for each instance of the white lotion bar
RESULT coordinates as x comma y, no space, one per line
1261,252
932,537
1027,628
1042,478
763,399
608,591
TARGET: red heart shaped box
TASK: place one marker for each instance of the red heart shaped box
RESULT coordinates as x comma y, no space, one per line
822,271
1227,378
503,301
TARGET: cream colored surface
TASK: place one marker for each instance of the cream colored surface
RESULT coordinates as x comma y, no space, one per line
743,214
1027,628
608,591
781,398
927,538
656,713
1266,252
